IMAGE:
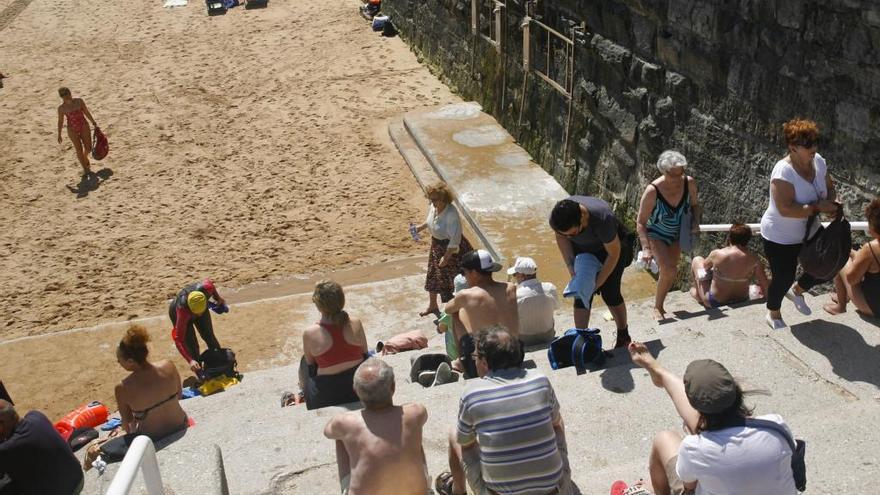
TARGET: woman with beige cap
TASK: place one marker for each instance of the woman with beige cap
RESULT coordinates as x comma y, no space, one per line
724,453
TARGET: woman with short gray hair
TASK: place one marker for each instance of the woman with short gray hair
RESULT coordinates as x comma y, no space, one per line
664,204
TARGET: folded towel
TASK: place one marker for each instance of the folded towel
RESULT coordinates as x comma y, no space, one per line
583,284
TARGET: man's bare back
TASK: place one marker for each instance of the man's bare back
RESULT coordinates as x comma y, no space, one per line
489,303
384,449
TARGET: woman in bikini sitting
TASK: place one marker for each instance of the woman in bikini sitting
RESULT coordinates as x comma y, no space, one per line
859,281
333,347
724,276
664,203
147,397
78,129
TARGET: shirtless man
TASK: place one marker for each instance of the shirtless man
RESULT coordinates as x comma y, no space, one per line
379,449
485,303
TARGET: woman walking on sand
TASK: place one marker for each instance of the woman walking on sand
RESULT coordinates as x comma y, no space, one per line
78,129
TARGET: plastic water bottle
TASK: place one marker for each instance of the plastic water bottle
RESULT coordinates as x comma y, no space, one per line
641,265
414,232
754,292
702,273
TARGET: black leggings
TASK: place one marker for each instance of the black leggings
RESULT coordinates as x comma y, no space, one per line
783,260
201,322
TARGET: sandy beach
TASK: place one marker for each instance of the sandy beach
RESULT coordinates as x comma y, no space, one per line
248,147
244,147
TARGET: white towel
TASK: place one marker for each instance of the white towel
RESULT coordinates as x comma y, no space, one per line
175,3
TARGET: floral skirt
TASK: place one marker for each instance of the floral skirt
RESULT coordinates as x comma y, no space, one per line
440,279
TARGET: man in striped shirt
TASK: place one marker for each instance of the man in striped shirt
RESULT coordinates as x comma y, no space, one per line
510,439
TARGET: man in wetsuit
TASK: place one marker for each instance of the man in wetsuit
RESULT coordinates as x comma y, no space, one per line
190,309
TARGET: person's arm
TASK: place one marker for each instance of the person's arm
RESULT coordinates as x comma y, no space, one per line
783,196
361,335
856,271
60,123
86,112
696,209
761,276
674,386
179,337
567,251
646,206
307,351
453,227
613,249
124,409
709,261
333,431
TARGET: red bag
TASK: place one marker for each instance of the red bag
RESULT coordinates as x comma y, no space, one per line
100,146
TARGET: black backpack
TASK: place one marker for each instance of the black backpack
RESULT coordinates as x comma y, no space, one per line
217,362
578,347
827,252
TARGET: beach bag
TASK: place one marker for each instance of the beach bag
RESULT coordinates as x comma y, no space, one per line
388,29
578,347
218,362
798,450
379,22
685,236
215,7
827,252
100,146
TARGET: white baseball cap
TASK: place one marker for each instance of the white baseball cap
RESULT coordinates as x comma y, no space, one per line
523,265
479,260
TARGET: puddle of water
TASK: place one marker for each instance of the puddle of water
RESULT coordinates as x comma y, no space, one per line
457,111
484,135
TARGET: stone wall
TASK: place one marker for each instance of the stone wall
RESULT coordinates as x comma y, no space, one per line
714,79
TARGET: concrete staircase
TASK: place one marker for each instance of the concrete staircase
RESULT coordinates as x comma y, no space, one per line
822,374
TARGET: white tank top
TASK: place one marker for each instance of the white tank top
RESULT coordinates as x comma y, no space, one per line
787,230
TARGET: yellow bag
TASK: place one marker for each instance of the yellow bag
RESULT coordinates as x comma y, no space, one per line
217,384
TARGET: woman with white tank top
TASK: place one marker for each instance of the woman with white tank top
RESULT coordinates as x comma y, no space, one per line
800,186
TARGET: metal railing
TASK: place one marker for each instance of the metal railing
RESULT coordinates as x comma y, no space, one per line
141,456
493,34
756,227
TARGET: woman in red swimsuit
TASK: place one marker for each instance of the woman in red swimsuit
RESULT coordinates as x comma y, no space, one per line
333,348
78,129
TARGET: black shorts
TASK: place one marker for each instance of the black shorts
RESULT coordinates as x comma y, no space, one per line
610,290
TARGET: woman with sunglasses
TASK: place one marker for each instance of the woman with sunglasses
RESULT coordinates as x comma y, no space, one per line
448,245
800,187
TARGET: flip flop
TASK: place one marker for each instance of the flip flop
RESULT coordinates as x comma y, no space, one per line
443,483
618,487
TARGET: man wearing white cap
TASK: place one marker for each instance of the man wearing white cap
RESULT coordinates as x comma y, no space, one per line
535,303
485,303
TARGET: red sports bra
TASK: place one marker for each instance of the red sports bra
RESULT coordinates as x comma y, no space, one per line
340,351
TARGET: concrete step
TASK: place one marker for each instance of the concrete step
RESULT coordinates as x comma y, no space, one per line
611,415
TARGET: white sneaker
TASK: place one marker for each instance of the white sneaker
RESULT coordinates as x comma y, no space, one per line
775,323
444,375
799,302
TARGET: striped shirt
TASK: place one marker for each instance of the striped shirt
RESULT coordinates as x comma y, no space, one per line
510,413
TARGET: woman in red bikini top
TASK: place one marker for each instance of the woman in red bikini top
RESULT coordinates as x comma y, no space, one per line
78,129
337,342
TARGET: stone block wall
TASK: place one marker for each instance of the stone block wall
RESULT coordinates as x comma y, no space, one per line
714,79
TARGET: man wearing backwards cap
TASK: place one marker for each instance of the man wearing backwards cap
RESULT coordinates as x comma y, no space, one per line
535,302
721,456
485,303
188,309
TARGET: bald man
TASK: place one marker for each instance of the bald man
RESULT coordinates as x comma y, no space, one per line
379,449
34,455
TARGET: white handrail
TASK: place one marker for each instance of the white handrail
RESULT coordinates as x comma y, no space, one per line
141,455
756,227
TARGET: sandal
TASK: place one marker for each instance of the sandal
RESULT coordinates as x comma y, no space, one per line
292,399
443,483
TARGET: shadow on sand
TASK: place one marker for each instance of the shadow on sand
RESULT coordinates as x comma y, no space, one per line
850,356
90,182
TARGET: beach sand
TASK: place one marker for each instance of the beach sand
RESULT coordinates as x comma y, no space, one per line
247,147
243,147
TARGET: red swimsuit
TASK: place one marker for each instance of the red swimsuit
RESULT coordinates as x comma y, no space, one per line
76,120
340,351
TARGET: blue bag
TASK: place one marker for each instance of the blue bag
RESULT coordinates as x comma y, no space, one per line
578,347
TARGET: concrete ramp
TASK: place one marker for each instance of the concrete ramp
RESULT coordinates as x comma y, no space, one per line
504,195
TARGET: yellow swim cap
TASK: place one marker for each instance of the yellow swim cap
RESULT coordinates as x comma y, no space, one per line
197,302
